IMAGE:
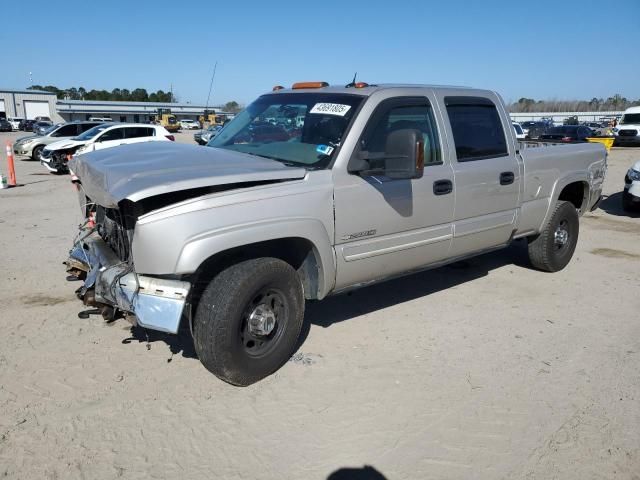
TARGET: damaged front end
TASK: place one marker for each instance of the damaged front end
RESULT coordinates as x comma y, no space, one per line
101,256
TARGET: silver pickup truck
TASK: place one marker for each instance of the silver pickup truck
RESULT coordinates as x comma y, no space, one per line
312,191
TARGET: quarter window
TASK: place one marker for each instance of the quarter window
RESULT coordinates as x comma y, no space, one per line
477,129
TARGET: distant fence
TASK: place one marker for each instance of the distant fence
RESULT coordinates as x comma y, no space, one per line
561,116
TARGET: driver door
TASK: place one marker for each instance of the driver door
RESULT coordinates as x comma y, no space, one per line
387,226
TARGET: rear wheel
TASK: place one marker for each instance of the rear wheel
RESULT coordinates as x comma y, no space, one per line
248,320
553,248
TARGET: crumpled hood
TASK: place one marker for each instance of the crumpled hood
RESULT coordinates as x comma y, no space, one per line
64,144
148,169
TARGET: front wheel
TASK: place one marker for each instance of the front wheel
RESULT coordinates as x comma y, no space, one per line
248,320
36,152
553,248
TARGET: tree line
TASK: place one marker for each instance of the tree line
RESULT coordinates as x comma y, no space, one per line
122,95
117,94
616,102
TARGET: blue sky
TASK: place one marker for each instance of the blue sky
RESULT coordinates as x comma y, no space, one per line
539,49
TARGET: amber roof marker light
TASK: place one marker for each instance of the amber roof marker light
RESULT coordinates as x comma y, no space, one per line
300,85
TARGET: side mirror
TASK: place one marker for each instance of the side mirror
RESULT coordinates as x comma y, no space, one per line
404,155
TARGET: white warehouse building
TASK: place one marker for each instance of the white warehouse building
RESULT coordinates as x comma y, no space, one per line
30,104
136,112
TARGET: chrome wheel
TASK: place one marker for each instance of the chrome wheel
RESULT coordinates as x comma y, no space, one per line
263,322
561,235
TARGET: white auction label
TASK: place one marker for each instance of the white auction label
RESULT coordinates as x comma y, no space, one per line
330,109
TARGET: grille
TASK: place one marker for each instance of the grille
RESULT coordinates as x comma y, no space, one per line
627,133
110,226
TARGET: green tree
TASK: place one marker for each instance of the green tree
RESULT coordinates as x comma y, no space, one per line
232,106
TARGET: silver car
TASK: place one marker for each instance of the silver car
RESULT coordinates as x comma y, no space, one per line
33,145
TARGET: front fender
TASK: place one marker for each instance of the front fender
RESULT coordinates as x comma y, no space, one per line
203,246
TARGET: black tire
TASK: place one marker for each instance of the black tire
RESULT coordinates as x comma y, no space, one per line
35,153
223,340
551,251
627,204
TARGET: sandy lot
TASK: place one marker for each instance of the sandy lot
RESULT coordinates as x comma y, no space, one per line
485,369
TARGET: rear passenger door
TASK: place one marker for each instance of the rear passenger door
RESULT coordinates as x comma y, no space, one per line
487,174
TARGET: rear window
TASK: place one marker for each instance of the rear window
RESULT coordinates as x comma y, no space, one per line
477,129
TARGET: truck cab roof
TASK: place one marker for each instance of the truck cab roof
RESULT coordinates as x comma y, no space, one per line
371,88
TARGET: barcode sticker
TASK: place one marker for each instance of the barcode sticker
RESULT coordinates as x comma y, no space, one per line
330,109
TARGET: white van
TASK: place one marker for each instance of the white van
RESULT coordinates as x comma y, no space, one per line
628,130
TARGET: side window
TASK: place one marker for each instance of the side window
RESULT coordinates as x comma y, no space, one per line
66,131
115,134
477,129
401,114
87,126
138,132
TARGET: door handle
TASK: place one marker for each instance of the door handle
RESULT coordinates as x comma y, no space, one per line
507,178
442,187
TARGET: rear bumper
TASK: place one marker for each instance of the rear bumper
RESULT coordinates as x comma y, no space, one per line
156,303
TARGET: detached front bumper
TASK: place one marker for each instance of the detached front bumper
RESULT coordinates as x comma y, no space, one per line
156,303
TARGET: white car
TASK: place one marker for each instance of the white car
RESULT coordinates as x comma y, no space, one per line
55,156
15,122
628,130
520,133
189,124
631,193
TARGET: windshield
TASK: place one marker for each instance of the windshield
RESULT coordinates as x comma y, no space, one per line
51,129
630,118
517,128
92,132
302,129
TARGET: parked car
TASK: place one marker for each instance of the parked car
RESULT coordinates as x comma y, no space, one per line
631,193
15,122
26,125
568,133
628,130
520,135
106,135
533,130
43,119
203,136
189,124
33,145
40,127
5,126
100,119
234,238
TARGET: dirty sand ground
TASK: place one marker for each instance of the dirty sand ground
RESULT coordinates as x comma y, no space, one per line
482,370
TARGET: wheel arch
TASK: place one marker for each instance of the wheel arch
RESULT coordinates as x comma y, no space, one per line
304,244
573,188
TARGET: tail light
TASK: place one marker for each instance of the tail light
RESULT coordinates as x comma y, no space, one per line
171,137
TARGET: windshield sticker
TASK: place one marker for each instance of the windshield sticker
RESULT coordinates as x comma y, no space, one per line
324,149
330,109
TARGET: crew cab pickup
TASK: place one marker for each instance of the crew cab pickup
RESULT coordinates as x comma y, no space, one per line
341,187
